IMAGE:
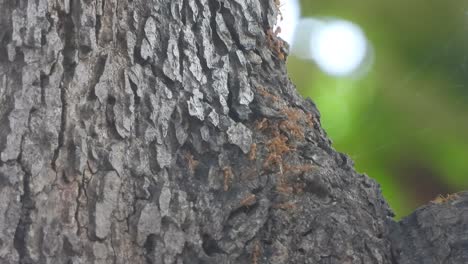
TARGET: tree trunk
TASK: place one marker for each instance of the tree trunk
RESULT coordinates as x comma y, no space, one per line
167,131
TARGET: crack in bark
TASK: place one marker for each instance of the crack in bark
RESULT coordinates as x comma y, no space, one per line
44,81
184,12
27,205
78,204
205,69
69,65
98,70
180,46
230,21
219,45
97,27
113,248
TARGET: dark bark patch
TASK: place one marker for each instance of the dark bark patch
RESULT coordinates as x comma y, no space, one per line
210,246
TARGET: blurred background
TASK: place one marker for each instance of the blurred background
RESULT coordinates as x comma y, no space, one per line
390,79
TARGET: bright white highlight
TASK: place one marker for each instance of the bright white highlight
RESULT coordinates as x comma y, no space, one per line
339,48
291,12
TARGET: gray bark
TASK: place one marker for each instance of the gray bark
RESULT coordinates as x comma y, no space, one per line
167,131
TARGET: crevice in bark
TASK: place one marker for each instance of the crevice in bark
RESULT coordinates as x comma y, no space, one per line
97,27
114,252
137,58
7,29
157,71
69,64
136,98
230,102
44,82
308,232
200,16
104,5
42,257
99,19
137,107
180,46
31,111
78,204
43,38
244,209
393,257
4,131
184,12
265,6
63,122
5,38
230,21
68,248
219,45
98,70
210,246
49,18
140,36
149,247
110,117
20,241
203,62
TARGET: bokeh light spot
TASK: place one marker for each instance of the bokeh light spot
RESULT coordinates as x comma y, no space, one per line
339,47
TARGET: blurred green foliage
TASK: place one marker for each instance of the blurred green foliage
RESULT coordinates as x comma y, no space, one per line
405,122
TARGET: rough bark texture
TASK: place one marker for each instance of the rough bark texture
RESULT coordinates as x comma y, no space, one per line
167,131
435,233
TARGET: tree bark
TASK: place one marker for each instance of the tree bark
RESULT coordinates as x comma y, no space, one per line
167,131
